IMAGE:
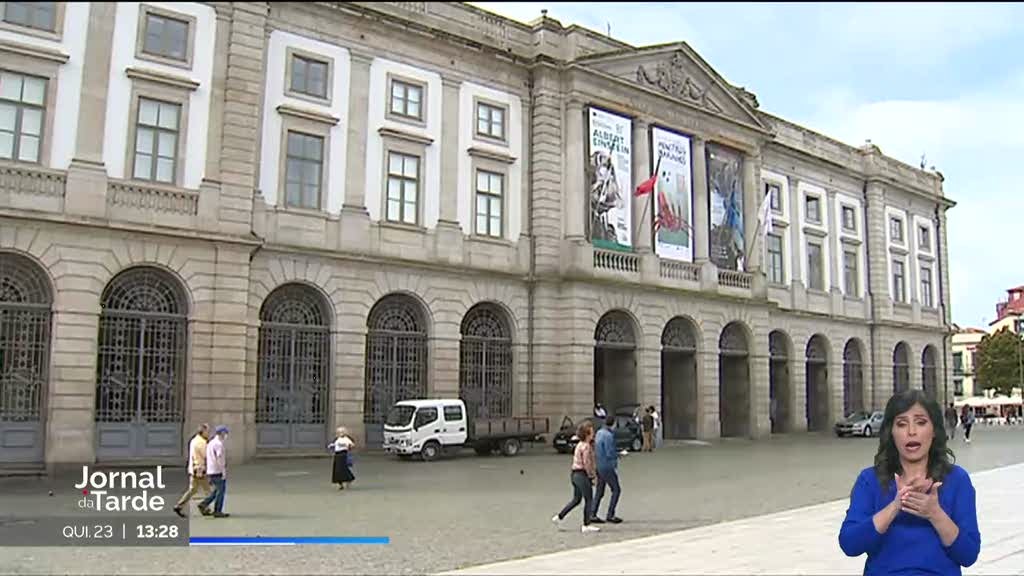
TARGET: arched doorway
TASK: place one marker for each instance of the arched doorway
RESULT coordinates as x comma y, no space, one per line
396,359
853,377
929,371
485,362
734,381
140,376
780,387
615,362
679,378
817,383
292,389
25,299
901,368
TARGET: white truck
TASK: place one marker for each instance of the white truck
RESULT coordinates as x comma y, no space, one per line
430,428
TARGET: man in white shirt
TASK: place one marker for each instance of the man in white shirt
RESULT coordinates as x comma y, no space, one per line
217,471
658,432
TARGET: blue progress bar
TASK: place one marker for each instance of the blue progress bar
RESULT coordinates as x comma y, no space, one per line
284,541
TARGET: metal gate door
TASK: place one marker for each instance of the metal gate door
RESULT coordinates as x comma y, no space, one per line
292,392
485,364
396,360
141,367
25,299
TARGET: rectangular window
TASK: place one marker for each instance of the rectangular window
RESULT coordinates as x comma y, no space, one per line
452,413
403,188
774,197
489,197
958,387
924,236
899,286
309,77
156,141
813,208
776,274
958,363
896,229
490,121
815,267
406,100
304,166
22,108
38,15
849,219
851,275
926,286
165,37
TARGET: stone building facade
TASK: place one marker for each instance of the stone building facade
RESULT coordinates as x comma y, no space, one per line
284,216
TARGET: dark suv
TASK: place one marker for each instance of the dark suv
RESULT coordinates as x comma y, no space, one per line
627,434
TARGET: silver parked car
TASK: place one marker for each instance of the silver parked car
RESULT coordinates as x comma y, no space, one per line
860,424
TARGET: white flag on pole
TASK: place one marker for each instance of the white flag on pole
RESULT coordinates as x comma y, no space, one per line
766,214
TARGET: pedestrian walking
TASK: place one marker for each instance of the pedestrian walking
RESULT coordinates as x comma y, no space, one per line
967,419
658,430
913,512
342,446
217,471
582,475
647,426
196,465
951,421
607,472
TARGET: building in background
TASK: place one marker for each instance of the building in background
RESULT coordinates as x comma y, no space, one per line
286,216
965,348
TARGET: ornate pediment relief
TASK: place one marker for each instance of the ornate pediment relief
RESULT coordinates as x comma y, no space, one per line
672,77
678,72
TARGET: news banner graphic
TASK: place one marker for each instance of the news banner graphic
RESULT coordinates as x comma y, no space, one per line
86,506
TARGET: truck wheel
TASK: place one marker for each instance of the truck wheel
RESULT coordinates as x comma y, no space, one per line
637,445
510,446
431,450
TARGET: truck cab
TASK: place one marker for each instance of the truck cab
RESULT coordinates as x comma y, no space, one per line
425,427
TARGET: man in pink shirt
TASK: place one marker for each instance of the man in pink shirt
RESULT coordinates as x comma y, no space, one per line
217,472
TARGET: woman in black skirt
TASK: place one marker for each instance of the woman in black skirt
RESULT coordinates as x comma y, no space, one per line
342,446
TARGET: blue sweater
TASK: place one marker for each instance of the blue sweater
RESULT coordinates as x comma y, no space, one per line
607,454
911,545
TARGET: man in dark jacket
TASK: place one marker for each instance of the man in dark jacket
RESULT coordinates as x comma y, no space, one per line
647,424
607,471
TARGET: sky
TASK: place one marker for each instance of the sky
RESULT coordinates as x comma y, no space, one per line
941,80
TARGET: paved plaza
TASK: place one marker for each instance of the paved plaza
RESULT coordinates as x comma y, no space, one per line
473,511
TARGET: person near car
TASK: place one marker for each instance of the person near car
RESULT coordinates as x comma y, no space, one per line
913,511
658,432
582,475
951,420
600,412
607,471
647,426
341,471
967,419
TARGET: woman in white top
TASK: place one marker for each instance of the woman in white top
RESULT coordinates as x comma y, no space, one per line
342,446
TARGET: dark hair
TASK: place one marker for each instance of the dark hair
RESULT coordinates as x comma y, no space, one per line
887,460
610,421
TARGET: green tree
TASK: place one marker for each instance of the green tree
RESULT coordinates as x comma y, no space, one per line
998,364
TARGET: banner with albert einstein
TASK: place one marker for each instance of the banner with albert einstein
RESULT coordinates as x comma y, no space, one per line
610,177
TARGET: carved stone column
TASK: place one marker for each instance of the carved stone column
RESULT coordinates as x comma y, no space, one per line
449,233
642,206
355,220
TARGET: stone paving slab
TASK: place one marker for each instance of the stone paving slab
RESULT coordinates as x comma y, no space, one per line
798,541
